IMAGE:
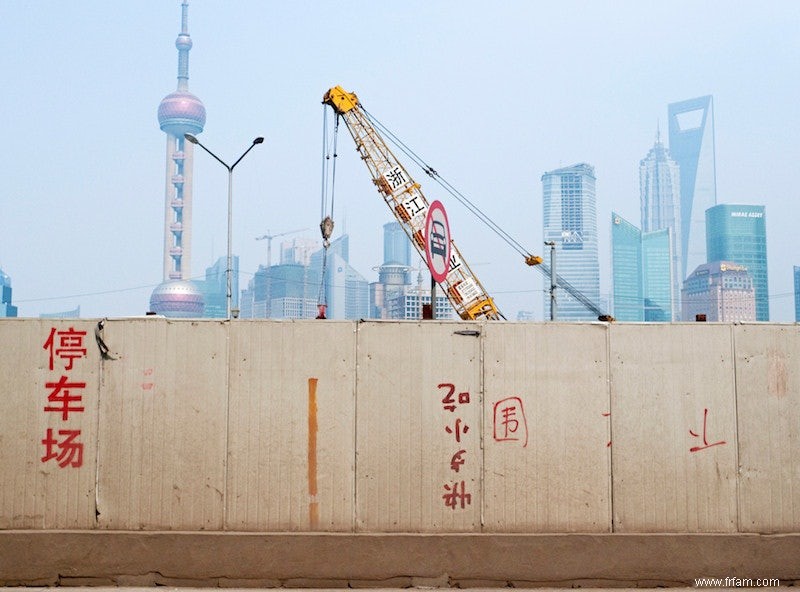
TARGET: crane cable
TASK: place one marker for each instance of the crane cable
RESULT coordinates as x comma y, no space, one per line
431,172
326,225
514,244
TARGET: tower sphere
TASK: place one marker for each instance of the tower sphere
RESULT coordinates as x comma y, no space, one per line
180,113
177,299
183,42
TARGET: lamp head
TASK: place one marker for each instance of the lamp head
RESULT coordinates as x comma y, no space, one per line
191,138
258,140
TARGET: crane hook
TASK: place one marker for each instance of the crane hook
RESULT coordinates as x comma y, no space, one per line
326,227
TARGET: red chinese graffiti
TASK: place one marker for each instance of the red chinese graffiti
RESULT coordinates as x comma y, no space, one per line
70,451
455,493
448,402
510,424
705,438
458,460
64,397
457,429
68,346
61,394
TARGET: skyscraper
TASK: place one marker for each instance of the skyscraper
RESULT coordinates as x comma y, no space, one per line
394,275
626,269
6,308
691,144
570,220
641,268
397,247
797,294
738,233
179,113
721,291
660,196
215,288
346,292
659,304
284,291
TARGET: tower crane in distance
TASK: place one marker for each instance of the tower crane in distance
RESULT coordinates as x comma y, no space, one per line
408,204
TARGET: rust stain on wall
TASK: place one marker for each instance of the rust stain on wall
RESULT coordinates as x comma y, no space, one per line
777,378
313,504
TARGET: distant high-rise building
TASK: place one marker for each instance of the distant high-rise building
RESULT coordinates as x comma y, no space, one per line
738,233
626,270
345,291
570,220
721,291
641,268
179,113
394,275
691,145
797,294
298,250
659,191
285,291
215,288
6,308
75,313
396,247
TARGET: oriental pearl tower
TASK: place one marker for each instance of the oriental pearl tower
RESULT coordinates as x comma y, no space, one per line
179,113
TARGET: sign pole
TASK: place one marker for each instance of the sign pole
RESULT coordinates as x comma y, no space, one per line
433,299
437,248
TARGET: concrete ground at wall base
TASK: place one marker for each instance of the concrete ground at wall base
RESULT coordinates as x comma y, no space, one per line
391,561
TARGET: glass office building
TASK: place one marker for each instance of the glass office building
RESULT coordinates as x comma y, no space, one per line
659,304
738,233
626,269
215,288
797,294
6,308
570,221
660,198
691,145
642,277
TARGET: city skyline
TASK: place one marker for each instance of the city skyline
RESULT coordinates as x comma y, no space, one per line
92,197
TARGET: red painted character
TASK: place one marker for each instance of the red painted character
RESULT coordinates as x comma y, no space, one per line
69,346
61,394
510,424
455,495
70,451
705,440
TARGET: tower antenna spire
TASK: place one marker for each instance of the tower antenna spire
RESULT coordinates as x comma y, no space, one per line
184,44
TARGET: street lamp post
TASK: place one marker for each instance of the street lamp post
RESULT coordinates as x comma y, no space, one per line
193,139
553,286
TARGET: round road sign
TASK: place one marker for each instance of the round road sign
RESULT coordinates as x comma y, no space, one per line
437,241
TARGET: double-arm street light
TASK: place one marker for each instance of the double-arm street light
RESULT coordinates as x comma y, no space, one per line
193,139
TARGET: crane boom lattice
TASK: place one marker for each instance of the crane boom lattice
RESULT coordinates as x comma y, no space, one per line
405,199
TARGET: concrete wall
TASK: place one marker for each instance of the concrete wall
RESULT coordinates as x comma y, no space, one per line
384,427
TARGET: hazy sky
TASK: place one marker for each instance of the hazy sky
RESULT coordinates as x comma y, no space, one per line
492,95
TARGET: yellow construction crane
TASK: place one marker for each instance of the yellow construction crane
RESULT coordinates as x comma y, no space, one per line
405,199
